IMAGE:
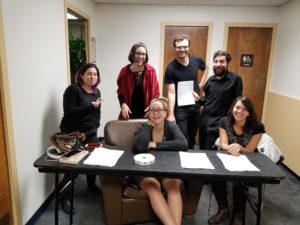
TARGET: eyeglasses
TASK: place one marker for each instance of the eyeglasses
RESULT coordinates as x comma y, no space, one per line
152,111
140,53
182,47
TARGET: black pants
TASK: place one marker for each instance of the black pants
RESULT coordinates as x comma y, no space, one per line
238,193
187,119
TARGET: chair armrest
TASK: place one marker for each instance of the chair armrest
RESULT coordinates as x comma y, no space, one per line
112,192
193,189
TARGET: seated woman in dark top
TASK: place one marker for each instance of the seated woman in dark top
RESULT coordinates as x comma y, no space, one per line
239,132
161,135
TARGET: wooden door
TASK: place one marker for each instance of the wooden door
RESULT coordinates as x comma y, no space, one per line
199,37
6,216
253,42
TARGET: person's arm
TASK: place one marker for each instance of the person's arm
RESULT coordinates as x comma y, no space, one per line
252,144
203,78
175,140
235,148
171,101
142,138
239,87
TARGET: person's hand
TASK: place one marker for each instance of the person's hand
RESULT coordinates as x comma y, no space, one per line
152,144
97,103
125,111
171,118
146,113
196,96
234,149
149,122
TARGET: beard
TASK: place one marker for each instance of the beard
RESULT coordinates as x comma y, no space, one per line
220,71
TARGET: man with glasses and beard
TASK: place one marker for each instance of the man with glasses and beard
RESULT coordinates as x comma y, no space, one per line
220,90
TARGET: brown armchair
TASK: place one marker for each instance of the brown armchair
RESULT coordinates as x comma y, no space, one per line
124,204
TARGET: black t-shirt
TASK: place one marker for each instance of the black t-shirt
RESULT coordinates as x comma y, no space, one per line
176,72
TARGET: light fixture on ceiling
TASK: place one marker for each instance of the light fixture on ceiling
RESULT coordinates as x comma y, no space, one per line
71,16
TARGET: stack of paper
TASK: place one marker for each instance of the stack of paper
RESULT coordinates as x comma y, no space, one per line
195,160
103,157
237,163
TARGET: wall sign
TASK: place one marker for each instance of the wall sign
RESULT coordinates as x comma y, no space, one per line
246,60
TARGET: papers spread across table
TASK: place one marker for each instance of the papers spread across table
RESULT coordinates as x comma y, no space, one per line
195,160
103,157
237,163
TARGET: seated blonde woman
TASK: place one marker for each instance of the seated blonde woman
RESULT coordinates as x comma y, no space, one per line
160,134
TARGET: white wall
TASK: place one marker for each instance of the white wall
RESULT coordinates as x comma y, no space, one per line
36,61
37,68
286,75
120,26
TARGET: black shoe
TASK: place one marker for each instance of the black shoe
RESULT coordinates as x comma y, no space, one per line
221,215
237,219
94,188
66,206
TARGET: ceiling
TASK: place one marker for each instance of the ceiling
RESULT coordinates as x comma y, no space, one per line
198,2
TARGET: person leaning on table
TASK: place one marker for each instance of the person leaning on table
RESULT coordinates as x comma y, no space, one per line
160,134
239,132
82,112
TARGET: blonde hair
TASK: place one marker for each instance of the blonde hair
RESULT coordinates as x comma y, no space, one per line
163,101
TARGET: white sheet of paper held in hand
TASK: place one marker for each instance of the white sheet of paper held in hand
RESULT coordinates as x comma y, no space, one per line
185,93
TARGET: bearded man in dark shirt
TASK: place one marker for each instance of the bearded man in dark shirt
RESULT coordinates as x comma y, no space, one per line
220,90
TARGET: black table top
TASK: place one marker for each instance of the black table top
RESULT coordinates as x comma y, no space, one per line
167,164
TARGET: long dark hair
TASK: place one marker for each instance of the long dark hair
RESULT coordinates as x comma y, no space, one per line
81,71
251,119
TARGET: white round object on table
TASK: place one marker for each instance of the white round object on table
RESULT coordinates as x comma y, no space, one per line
144,159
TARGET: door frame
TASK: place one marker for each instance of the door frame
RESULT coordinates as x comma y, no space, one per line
274,26
8,130
162,44
87,34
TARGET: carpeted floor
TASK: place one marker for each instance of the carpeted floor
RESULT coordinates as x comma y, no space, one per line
281,206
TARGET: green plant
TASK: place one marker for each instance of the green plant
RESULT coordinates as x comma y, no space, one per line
77,54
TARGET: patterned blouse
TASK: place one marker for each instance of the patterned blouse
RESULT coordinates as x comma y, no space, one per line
244,138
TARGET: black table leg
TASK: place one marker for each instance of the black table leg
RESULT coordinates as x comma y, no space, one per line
56,200
71,200
259,203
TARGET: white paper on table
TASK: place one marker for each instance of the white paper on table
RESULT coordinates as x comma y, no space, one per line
195,160
237,163
185,93
103,157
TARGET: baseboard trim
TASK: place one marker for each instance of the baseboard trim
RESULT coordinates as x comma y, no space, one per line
290,171
40,210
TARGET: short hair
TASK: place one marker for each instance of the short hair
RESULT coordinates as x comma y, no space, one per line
133,49
222,53
82,70
181,37
249,107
